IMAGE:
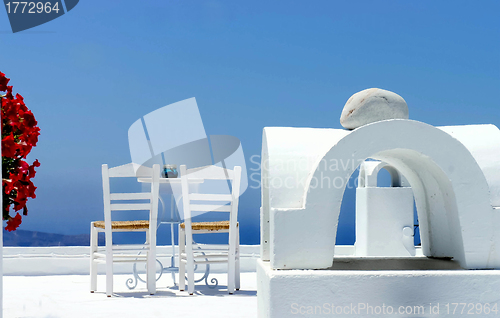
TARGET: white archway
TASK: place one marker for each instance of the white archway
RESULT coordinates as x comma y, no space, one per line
451,193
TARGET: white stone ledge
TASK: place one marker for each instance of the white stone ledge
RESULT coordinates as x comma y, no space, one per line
74,260
289,293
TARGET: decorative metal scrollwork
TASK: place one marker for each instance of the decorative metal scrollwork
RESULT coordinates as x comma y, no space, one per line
131,283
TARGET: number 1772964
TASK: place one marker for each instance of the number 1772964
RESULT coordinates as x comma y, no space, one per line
31,7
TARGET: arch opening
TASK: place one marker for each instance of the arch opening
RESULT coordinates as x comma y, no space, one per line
346,231
435,202
390,172
377,194
387,177
434,199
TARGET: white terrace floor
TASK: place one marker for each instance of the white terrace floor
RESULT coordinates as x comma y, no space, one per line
68,296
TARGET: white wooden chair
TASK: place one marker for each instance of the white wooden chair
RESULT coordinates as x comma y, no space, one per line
113,253
191,253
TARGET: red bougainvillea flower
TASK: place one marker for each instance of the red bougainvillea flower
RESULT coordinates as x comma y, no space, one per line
23,167
31,170
9,146
13,223
19,135
3,82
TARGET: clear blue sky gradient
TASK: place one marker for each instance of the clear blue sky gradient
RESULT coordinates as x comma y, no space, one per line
91,73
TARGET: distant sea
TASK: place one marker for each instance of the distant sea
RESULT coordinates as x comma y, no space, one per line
34,238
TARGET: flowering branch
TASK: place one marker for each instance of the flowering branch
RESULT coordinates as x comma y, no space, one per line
19,135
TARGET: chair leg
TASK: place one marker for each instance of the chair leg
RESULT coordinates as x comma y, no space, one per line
231,267
109,267
190,263
182,264
93,264
109,275
190,273
237,269
151,265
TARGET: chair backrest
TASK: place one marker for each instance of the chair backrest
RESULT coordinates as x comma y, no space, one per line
217,202
128,201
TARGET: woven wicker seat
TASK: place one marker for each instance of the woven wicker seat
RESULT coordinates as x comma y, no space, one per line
209,226
125,225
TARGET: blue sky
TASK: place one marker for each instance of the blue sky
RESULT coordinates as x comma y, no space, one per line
91,73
